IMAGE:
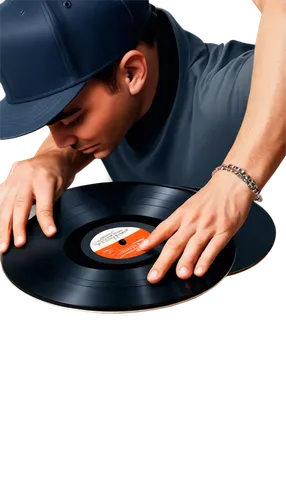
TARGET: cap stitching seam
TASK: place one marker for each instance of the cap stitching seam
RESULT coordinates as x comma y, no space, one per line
132,18
55,31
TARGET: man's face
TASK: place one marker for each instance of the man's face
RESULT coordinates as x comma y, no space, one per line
103,119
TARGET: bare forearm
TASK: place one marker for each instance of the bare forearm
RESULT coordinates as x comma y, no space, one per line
260,145
77,160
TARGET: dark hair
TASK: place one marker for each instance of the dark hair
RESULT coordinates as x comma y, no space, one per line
149,36
108,75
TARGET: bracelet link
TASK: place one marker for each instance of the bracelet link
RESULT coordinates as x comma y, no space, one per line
243,176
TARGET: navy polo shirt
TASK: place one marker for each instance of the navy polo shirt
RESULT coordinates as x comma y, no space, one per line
197,111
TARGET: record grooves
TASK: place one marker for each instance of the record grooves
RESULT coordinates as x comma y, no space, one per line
93,262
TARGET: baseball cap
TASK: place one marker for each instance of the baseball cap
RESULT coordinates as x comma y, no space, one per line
49,50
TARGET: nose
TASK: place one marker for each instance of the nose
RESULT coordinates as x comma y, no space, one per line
62,138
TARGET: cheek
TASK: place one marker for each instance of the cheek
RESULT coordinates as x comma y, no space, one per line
108,119
102,119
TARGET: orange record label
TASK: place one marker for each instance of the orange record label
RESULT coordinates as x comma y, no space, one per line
119,242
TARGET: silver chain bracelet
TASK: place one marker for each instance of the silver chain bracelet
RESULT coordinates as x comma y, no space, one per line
243,176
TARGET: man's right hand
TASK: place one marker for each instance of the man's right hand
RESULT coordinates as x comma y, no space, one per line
42,178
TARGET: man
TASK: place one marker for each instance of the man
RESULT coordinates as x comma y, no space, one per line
182,107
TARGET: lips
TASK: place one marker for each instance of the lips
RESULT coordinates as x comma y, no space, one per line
88,150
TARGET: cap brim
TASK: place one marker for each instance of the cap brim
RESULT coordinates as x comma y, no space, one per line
23,118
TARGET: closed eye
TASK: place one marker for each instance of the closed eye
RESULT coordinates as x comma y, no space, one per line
75,122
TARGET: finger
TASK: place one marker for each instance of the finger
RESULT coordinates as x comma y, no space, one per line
215,246
44,207
3,191
163,231
22,207
192,252
171,251
6,215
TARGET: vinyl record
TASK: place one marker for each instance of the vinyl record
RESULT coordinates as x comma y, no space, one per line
254,239
93,261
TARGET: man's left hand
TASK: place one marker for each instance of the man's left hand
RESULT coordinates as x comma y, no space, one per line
200,228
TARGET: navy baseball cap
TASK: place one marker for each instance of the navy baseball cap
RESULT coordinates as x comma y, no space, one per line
50,49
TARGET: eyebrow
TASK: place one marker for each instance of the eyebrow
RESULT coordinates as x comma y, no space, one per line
62,115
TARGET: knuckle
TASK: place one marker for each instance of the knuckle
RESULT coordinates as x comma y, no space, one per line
163,224
46,174
175,242
45,212
188,258
152,236
16,164
202,235
13,169
224,228
17,225
19,203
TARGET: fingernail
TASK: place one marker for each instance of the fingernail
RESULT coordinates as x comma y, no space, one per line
183,271
153,274
2,247
20,239
199,270
144,244
51,229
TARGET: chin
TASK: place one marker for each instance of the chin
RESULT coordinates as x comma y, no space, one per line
102,154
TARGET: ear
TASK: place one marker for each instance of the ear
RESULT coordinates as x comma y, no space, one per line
133,71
